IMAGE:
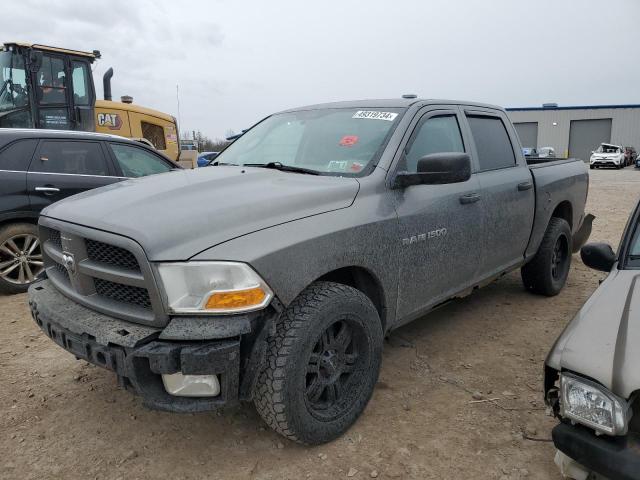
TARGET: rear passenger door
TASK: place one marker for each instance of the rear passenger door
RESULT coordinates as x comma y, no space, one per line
62,168
507,190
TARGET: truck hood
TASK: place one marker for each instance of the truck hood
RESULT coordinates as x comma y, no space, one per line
176,215
603,340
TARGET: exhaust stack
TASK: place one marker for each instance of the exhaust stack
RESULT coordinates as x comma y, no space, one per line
106,83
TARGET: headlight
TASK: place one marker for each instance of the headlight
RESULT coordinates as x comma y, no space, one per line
590,404
213,287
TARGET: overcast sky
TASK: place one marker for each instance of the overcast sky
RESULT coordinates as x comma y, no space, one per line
237,61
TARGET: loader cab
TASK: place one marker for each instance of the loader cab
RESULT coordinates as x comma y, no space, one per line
46,87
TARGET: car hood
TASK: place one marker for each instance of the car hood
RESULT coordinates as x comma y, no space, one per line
176,215
606,155
603,340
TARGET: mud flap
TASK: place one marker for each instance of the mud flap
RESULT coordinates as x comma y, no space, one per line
583,233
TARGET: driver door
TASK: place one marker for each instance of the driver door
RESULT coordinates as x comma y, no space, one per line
440,225
52,93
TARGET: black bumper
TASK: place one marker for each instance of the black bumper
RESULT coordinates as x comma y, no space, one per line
137,355
617,458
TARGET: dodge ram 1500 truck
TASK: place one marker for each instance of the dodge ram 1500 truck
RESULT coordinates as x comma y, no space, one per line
275,275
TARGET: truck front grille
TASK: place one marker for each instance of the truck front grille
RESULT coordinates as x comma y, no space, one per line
111,255
102,271
123,293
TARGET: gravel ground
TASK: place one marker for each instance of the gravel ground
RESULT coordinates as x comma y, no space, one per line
62,418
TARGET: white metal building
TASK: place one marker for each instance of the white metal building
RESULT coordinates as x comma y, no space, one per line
576,131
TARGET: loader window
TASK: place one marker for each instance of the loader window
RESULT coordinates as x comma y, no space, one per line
52,82
155,134
137,162
13,82
80,78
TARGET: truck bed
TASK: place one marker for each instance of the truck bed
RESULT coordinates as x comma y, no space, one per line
558,184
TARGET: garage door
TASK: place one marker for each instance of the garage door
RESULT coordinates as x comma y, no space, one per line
528,133
586,135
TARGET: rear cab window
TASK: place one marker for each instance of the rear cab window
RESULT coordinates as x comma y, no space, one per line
17,155
138,162
70,157
493,144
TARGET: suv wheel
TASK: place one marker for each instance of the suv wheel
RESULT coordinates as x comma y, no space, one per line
548,270
20,257
322,364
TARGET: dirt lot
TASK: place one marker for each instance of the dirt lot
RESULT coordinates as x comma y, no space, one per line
62,418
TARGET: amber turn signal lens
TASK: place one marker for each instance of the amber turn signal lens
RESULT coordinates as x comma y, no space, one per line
235,299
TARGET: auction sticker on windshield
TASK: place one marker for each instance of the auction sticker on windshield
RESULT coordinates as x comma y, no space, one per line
375,115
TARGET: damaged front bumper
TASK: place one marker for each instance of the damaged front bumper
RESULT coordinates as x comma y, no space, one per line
232,348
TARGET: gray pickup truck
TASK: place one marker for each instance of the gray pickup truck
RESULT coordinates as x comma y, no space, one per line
274,275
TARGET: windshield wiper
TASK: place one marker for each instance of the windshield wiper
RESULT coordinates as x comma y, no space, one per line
283,168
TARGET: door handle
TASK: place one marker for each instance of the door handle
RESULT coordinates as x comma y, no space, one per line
469,198
524,186
47,189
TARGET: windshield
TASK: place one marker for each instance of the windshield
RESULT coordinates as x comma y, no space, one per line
608,149
333,141
13,82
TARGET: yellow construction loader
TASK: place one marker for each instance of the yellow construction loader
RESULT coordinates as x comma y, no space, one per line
50,87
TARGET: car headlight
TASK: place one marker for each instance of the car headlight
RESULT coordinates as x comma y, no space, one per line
590,404
213,287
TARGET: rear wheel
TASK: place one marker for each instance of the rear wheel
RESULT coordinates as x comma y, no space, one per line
20,257
322,364
547,271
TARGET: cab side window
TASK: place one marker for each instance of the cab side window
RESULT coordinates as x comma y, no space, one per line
137,162
73,157
492,141
434,135
81,88
17,155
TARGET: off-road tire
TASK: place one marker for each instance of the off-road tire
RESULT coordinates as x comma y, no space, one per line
7,232
280,394
537,274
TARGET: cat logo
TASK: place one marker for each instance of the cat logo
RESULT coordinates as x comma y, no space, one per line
110,120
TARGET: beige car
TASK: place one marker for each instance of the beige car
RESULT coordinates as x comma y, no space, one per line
592,373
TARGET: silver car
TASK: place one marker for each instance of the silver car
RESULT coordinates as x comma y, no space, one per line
592,374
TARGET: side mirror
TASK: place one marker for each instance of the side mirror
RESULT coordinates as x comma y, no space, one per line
437,169
599,256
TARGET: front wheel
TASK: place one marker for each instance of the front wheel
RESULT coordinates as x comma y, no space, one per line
548,270
322,364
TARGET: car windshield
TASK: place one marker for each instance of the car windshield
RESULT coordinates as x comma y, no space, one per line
13,82
332,141
608,149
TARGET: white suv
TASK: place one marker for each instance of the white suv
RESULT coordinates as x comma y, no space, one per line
607,155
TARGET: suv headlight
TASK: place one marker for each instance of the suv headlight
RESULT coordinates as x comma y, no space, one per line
590,404
213,287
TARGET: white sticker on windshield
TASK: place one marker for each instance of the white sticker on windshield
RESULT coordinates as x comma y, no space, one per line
375,115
